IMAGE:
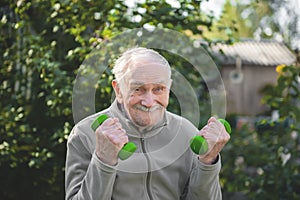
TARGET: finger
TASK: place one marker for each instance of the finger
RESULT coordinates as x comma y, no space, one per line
210,130
218,126
203,130
118,138
212,119
110,121
111,128
122,140
212,134
108,125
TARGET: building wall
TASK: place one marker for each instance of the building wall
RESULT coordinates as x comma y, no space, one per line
244,98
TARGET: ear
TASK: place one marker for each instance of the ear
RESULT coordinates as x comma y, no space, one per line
169,85
117,90
171,81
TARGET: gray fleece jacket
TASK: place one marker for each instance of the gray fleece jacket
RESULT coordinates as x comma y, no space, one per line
162,168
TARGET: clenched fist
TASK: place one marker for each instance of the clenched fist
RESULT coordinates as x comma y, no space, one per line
110,138
216,136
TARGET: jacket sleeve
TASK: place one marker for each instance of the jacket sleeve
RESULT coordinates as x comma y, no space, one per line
86,177
204,182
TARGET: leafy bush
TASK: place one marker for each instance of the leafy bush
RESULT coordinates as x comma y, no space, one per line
264,163
43,43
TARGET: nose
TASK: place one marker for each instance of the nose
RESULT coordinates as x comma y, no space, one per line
148,99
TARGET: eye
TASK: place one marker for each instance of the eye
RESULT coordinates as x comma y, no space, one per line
159,89
138,90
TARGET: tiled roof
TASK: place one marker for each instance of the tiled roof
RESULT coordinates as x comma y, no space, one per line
263,53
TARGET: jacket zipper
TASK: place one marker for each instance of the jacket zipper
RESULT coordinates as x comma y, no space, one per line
149,169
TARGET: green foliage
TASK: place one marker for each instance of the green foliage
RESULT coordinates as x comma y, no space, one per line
285,96
231,25
264,163
42,45
260,19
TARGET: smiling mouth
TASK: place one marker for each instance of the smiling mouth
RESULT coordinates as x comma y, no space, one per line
146,109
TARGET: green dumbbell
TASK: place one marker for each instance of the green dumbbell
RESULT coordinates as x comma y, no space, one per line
127,150
199,145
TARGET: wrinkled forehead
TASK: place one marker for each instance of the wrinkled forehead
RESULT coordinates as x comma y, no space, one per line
148,72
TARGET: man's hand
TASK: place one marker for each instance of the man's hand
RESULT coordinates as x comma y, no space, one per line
110,138
216,136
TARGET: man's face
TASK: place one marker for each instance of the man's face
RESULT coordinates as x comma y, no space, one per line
145,93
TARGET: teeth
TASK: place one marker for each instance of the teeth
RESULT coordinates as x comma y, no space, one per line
145,109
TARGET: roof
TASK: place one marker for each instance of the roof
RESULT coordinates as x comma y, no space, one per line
263,53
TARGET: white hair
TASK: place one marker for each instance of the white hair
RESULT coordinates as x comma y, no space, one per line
133,57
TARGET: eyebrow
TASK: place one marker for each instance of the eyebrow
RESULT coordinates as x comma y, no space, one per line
139,83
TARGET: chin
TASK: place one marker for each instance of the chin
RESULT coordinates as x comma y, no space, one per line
148,121
144,123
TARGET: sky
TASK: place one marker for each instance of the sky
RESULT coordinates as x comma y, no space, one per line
213,6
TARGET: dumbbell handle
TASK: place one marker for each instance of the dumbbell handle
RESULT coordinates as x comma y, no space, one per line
127,150
199,145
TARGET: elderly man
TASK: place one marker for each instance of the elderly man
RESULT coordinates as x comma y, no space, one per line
163,167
